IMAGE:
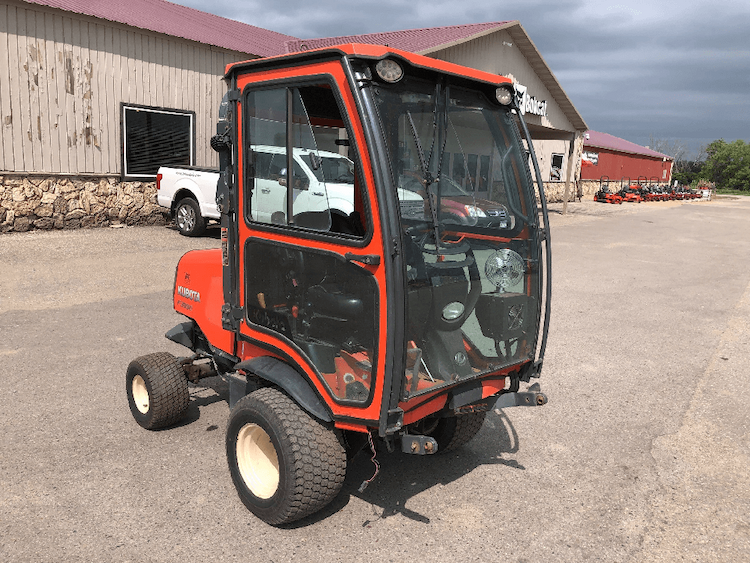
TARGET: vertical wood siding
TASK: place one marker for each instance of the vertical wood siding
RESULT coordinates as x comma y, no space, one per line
63,77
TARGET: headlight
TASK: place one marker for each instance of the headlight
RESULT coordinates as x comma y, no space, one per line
474,211
504,268
453,310
504,95
389,70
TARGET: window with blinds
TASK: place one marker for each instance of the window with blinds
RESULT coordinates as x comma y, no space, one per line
154,137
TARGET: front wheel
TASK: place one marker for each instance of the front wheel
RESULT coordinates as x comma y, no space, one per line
187,216
285,464
454,431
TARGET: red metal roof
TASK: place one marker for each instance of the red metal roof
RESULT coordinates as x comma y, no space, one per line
414,40
179,21
595,139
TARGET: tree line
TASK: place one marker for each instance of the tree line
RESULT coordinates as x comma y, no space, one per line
726,165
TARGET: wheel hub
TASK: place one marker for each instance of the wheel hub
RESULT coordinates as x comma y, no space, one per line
185,218
257,461
140,394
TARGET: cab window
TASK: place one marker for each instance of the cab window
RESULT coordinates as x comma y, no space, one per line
301,129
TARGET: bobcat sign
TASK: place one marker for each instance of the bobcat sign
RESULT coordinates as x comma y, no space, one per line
529,104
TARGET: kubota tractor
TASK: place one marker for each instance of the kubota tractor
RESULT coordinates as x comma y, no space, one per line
372,316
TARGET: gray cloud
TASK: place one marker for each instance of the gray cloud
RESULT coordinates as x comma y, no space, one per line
674,70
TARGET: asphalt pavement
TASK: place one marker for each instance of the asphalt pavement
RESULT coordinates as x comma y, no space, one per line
641,454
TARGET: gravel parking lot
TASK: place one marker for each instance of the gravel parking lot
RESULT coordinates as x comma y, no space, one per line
642,453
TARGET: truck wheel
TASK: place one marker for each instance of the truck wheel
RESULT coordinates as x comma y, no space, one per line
284,464
187,216
157,390
455,431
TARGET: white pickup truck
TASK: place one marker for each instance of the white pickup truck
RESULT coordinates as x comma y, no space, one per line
190,192
190,195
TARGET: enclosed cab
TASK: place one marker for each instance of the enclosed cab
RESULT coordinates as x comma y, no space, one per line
403,317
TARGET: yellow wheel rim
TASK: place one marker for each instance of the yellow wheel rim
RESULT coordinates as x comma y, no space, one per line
257,461
140,394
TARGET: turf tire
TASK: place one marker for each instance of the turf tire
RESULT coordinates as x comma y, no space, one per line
266,428
157,390
455,431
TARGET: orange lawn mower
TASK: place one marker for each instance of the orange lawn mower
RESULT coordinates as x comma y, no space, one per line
629,192
604,195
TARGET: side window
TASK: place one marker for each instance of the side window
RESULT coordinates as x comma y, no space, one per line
555,173
300,129
153,137
265,115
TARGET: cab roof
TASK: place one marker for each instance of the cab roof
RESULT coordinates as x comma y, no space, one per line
368,52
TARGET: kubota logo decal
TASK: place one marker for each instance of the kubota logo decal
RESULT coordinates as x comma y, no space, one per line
189,294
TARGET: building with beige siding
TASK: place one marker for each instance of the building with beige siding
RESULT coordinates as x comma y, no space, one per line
501,48
94,96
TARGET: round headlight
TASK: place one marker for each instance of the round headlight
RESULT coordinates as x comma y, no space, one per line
504,95
389,70
453,310
504,268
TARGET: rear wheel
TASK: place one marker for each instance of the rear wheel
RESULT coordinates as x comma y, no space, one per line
187,216
285,464
157,390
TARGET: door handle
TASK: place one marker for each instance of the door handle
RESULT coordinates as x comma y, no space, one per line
265,190
318,193
369,259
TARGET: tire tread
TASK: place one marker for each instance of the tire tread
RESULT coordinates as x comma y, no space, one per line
466,427
319,458
169,397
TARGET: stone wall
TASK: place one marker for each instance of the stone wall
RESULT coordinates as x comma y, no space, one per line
56,202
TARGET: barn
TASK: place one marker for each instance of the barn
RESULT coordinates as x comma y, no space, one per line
94,96
620,161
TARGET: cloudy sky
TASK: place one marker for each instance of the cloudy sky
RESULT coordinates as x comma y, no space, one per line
675,70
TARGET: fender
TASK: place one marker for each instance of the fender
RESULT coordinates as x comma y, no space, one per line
286,377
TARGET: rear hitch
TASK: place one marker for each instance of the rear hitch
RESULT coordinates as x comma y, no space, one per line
418,445
521,399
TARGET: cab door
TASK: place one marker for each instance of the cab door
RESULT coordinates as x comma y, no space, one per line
313,285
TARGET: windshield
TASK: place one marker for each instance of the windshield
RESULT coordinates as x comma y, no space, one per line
472,282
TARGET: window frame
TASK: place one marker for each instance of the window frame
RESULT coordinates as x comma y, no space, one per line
294,230
552,166
124,165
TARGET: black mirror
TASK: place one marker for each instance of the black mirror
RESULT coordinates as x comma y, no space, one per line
315,160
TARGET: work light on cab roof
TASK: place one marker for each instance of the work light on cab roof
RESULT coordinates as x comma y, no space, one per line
504,95
389,70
